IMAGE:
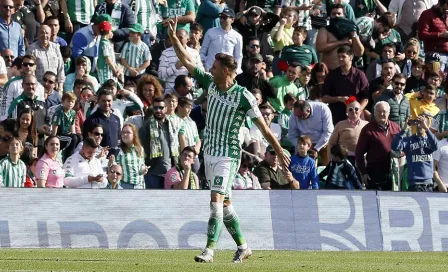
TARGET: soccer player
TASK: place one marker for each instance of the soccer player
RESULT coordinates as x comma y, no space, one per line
228,105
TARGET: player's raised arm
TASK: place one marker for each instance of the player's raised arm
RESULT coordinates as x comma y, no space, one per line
181,52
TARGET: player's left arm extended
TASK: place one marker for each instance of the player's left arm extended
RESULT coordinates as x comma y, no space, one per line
268,135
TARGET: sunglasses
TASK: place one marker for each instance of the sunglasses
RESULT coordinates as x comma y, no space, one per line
158,107
98,134
28,64
115,172
224,17
399,83
356,109
8,7
266,113
254,46
48,80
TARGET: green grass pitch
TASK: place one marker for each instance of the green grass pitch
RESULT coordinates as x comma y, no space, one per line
182,260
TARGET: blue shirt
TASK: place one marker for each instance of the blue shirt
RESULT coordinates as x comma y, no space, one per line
53,99
60,41
111,127
304,171
11,37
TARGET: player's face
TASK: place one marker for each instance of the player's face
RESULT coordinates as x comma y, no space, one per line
217,72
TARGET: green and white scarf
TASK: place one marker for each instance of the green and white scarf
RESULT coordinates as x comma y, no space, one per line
191,182
154,137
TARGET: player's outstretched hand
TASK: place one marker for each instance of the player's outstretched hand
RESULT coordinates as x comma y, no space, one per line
283,159
172,26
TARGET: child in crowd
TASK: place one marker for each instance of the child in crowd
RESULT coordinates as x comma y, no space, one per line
302,167
416,82
303,83
298,52
283,117
340,173
135,56
106,64
66,53
196,34
63,124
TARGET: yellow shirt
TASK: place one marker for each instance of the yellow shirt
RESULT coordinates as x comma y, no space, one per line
286,37
419,106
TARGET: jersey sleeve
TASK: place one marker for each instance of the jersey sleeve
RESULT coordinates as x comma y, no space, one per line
105,48
205,79
56,120
42,170
250,105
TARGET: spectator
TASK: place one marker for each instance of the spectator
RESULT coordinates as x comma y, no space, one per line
183,87
53,23
28,17
107,67
26,129
82,71
114,174
63,125
208,13
270,174
66,53
407,16
182,175
432,30
196,35
135,55
131,158
146,14
383,83
282,34
341,31
12,169
198,115
343,82
314,120
170,67
3,73
110,122
52,97
79,13
439,124
303,83
122,19
85,41
14,87
422,103
7,128
257,22
346,132
440,157
374,147
318,74
85,103
418,149
83,169
188,133
390,37
49,169
222,39
48,56
285,84
375,68
148,87
416,82
303,167
261,142
283,118
412,52
340,173
10,32
298,51
156,52
96,133
252,50
255,78
184,11
30,160
161,145
245,179
399,105
8,57
370,27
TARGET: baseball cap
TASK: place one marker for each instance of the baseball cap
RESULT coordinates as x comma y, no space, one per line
228,12
105,26
258,57
271,149
432,57
255,11
137,28
102,18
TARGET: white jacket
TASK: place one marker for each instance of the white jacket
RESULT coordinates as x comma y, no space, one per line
395,6
79,169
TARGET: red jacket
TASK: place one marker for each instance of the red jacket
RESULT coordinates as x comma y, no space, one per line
374,141
430,26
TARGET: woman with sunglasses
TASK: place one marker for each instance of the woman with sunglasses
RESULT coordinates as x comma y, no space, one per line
245,179
96,132
411,53
347,132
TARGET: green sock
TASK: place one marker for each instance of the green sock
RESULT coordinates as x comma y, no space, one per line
232,223
214,224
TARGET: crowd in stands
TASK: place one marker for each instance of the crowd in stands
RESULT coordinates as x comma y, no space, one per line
94,96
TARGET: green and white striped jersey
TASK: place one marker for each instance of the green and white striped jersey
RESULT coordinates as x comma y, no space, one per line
135,55
80,11
12,175
104,71
142,13
226,113
131,164
190,131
